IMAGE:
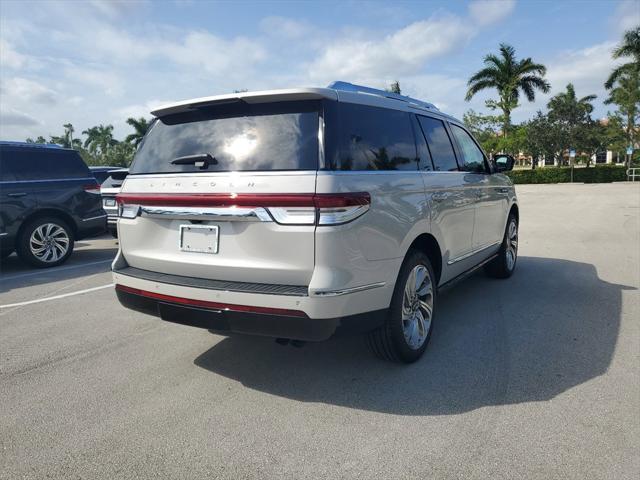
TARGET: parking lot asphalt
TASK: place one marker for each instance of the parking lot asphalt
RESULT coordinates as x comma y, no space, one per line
537,376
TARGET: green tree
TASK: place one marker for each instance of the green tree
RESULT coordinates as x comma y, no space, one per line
509,77
630,47
99,139
119,155
66,140
140,126
485,129
40,139
543,138
626,95
394,87
571,115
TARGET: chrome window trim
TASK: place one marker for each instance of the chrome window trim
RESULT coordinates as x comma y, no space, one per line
47,180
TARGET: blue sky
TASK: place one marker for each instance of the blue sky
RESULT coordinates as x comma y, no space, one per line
100,62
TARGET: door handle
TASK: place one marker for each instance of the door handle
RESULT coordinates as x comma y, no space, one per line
18,194
439,197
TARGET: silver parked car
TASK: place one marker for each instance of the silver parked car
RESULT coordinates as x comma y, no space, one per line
303,213
109,188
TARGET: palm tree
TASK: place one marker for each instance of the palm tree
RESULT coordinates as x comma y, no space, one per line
567,104
626,95
573,116
99,139
630,47
66,140
140,125
509,76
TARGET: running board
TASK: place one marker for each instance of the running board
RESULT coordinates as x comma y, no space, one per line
466,273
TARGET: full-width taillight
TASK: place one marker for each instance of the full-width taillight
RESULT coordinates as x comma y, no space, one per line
92,188
287,209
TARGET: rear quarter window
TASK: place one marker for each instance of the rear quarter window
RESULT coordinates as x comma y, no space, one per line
372,138
23,164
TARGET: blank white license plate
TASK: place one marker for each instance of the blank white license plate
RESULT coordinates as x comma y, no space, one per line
199,238
109,202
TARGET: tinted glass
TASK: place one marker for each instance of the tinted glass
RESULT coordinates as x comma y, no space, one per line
42,164
444,159
471,153
424,157
241,137
375,139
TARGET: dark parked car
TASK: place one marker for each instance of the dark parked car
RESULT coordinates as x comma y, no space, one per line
109,189
48,199
102,172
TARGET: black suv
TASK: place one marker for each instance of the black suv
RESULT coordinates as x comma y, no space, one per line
48,199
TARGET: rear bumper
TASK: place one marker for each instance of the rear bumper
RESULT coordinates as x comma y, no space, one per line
230,318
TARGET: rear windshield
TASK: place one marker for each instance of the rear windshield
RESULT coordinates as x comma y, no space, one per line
24,164
235,137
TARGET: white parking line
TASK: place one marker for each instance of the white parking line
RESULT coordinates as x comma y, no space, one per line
54,270
57,297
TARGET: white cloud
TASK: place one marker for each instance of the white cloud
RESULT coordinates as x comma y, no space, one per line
403,52
9,57
105,80
29,91
406,51
626,16
586,68
286,27
12,117
488,12
140,110
214,54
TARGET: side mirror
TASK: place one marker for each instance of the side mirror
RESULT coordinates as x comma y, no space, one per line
503,162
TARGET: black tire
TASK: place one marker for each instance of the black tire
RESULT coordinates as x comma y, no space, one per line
23,243
501,266
389,341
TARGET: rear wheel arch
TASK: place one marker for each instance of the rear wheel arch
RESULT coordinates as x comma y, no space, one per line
515,211
428,244
49,212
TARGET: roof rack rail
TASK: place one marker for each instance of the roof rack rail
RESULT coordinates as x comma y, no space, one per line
29,144
350,87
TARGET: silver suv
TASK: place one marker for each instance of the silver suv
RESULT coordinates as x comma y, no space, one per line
299,214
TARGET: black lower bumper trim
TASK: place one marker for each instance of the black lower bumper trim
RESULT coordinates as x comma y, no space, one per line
226,322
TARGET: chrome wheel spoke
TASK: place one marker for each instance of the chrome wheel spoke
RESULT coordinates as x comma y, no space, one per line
49,242
417,306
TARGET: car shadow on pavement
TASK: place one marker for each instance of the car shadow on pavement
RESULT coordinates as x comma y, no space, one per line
16,274
552,326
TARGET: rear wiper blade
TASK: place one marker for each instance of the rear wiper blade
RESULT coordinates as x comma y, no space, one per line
201,160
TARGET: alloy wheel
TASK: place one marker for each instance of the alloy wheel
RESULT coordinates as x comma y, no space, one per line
49,242
417,307
512,245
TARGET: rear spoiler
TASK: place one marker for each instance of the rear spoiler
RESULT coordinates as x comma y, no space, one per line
266,96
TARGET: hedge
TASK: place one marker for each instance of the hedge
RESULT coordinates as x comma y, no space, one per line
600,174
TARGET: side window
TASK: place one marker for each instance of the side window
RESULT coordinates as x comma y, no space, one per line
374,138
7,166
424,157
472,155
41,164
444,158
